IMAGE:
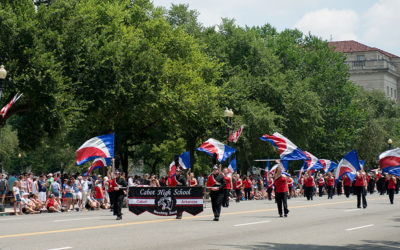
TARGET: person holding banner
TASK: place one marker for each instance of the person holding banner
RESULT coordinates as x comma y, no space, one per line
216,184
359,187
281,189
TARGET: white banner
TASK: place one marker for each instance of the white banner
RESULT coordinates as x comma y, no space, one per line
183,202
142,201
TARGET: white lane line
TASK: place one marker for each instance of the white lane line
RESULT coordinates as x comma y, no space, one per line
11,219
252,223
351,210
61,248
355,228
88,218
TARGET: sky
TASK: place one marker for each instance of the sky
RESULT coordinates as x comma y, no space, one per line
371,22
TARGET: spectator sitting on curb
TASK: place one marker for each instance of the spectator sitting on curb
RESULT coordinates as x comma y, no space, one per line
52,205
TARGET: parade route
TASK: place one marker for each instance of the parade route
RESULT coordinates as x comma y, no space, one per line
247,225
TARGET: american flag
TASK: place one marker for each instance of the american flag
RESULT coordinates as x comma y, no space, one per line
235,135
5,109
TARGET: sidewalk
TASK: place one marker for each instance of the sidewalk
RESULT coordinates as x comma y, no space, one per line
7,211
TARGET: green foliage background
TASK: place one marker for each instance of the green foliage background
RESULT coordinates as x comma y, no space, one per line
161,80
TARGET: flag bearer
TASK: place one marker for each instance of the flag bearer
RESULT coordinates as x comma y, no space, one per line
359,187
281,189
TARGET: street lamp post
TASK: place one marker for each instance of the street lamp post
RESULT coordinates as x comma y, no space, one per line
3,74
390,143
229,116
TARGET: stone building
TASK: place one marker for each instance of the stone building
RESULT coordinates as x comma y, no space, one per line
371,67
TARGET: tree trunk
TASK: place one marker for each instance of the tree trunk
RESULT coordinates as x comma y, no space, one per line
191,147
123,161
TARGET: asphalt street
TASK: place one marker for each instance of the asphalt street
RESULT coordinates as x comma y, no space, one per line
317,224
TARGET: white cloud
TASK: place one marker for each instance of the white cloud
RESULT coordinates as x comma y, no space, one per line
248,12
381,25
340,24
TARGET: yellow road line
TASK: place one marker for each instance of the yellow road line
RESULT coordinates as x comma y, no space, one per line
165,220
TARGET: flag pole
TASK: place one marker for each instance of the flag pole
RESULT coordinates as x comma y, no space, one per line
267,160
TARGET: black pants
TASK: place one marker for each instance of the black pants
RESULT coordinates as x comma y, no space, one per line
281,199
118,202
227,193
290,192
309,192
247,193
371,186
217,197
320,189
269,192
238,194
360,191
391,195
330,191
111,194
339,190
347,191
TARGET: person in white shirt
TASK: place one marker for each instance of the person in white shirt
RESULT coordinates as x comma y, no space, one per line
17,198
35,187
131,182
85,191
27,205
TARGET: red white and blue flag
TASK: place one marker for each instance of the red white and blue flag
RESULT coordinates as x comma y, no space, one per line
235,135
98,163
266,170
273,169
287,150
348,165
313,163
98,147
5,109
389,161
184,162
328,165
212,146
232,167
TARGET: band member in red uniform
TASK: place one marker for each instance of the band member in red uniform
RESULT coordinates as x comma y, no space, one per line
228,188
270,186
247,187
347,185
321,184
111,182
281,189
391,187
309,185
238,188
119,188
216,184
330,183
192,180
180,182
359,187
290,185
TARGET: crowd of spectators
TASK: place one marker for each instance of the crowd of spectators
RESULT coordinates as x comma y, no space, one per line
32,194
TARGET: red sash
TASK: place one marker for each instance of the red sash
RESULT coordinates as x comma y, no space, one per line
211,181
172,181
